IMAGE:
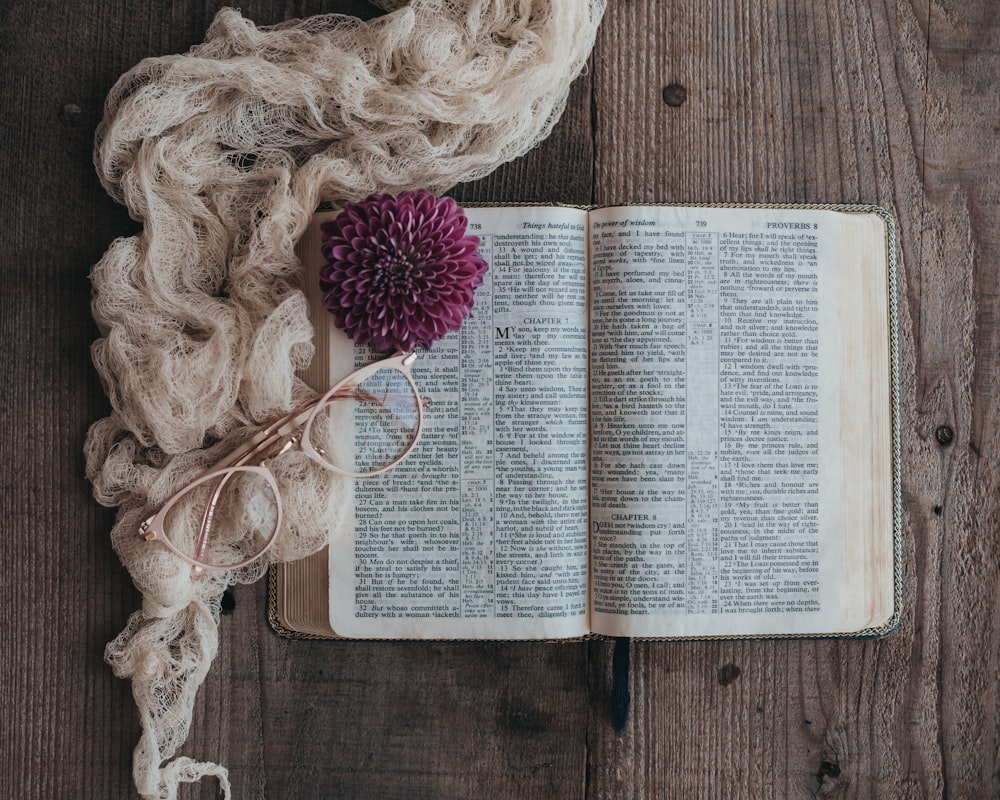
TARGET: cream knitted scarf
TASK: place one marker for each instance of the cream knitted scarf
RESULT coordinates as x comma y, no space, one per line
222,154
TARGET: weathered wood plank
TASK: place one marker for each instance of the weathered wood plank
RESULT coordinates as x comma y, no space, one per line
834,102
891,102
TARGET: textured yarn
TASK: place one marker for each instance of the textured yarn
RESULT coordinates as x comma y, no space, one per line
222,154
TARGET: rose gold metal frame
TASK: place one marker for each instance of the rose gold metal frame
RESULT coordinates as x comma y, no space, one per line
277,437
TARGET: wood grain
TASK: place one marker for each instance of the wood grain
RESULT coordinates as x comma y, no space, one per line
890,101
884,104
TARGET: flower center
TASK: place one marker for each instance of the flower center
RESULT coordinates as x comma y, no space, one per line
393,273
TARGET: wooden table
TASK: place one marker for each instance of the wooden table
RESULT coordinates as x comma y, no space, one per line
896,103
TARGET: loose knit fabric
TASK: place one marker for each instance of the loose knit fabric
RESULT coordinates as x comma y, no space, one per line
222,154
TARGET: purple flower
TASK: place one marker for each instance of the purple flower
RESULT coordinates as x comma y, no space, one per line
400,271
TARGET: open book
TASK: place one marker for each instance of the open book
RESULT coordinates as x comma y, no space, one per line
659,422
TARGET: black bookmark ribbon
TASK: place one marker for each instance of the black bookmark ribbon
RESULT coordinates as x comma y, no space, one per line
620,697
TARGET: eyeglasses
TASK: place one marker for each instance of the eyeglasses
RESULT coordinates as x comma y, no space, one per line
231,515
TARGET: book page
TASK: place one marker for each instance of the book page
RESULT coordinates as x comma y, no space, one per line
716,497
870,498
482,531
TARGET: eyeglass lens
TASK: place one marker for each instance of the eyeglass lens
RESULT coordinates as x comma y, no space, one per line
242,520
367,426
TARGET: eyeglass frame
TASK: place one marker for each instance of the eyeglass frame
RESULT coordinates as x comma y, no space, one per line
295,425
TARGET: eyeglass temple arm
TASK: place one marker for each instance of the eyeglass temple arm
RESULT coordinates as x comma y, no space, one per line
287,426
208,517
264,438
